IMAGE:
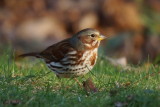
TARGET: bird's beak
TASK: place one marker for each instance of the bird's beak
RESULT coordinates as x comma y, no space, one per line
101,37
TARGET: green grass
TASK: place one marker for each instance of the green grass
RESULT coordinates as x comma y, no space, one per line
26,84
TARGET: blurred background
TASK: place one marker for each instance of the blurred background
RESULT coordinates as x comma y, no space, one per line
33,25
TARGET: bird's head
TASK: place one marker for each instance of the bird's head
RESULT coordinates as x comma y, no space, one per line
90,38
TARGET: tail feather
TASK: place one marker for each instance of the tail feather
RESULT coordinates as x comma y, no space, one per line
29,54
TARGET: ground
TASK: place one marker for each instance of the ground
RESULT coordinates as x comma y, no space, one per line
27,83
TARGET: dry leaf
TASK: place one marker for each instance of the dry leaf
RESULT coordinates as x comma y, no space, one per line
89,86
126,84
12,102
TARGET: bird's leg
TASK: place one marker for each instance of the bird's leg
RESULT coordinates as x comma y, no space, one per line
79,83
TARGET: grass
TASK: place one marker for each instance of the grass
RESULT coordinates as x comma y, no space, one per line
27,84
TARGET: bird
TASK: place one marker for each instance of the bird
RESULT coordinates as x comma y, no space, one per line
74,56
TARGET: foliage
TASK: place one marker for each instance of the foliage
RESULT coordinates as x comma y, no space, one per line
28,83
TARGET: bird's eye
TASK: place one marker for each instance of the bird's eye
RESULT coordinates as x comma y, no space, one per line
93,35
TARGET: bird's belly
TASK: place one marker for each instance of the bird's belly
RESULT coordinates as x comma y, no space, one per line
73,71
71,68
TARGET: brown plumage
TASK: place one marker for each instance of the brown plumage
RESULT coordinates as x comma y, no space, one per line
74,56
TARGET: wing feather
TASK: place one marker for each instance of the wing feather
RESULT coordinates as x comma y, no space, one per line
57,51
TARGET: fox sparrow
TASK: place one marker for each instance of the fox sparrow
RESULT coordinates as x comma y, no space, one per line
74,56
